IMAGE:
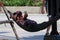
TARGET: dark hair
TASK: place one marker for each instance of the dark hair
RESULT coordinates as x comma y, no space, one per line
14,13
18,13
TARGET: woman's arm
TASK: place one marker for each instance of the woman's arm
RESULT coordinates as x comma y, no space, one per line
43,3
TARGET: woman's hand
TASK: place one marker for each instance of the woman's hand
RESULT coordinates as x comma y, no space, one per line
17,19
42,11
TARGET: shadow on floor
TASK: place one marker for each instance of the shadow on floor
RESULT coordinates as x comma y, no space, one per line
37,37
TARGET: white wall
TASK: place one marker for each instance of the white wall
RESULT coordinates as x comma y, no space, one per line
25,8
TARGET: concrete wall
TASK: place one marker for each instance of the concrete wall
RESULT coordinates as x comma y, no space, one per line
25,8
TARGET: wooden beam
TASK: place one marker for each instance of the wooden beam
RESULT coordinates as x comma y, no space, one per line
6,21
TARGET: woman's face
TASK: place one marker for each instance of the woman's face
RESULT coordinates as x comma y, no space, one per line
21,17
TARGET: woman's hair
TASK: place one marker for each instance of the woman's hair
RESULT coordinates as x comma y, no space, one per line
14,13
17,14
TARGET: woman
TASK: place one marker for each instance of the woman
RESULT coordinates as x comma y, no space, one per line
31,25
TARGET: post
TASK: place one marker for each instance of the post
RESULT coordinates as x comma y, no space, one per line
6,21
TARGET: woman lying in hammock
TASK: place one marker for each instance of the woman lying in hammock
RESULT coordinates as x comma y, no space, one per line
30,25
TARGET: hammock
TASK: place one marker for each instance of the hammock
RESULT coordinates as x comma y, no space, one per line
34,27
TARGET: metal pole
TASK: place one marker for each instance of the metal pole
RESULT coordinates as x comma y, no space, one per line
6,21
